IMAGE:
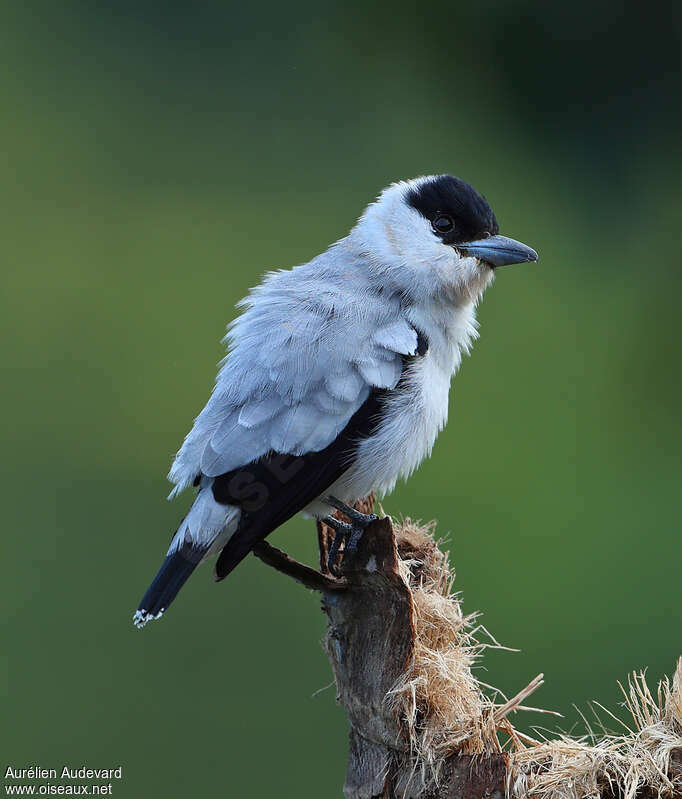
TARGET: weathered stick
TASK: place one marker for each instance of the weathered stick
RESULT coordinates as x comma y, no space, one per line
370,644
388,613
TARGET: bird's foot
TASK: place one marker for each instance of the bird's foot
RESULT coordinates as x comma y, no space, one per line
342,531
348,533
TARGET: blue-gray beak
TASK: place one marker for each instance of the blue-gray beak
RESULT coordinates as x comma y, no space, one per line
498,251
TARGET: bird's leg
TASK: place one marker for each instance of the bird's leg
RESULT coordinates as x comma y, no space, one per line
359,522
341,532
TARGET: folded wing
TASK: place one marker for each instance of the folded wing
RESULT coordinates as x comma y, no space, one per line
303,360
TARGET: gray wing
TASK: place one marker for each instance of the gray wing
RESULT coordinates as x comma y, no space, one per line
303,358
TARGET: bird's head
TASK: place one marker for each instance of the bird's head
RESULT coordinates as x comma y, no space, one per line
435,235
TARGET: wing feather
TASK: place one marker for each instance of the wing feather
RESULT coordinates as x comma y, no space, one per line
380,373
255,413
345,386
399,336
328,402
303,359
231,447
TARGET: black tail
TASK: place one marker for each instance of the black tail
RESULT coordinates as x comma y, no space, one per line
172,575
236,549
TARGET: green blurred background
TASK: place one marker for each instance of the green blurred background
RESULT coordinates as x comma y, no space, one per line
156,160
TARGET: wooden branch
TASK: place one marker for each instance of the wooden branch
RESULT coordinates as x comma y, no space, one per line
310,578
370,644
376,626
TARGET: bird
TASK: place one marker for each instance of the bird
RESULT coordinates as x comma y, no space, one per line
336,380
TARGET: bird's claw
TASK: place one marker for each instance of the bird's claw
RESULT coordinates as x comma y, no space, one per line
358,518
358,531
341,532
349,534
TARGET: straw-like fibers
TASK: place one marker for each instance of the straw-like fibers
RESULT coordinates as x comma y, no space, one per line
446,710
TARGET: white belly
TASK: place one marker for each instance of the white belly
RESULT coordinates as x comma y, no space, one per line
412,418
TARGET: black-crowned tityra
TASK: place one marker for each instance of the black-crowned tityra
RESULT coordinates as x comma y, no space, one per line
337,375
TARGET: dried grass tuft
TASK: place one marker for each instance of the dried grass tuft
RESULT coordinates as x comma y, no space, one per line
645,761
446,710
441,703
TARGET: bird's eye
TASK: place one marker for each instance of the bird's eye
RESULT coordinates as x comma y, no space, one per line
443,223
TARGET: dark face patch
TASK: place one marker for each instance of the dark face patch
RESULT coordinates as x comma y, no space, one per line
446,198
